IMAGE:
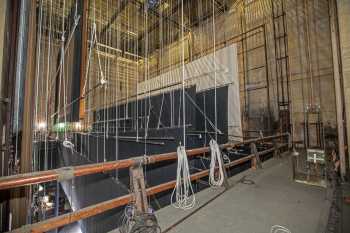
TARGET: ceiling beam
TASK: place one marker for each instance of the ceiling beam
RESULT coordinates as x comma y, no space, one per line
121,7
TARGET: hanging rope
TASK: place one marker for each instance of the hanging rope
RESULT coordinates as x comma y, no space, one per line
66,143
183,191
215,76
133,222
215,180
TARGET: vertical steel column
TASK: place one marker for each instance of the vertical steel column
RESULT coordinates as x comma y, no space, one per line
10,47
282,63
337,84
84,50
22,114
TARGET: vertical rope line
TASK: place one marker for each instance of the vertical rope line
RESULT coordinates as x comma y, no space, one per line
47,79
38,65
37,101
137,83
183,75
147,115
116,104
62,69
215,77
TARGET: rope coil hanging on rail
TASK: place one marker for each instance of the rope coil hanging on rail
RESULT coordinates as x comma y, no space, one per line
215,180
183,191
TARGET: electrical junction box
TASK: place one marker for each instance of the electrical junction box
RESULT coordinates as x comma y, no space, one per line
316,156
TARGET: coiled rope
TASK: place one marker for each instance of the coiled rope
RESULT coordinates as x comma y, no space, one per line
183,191
215,180
133,222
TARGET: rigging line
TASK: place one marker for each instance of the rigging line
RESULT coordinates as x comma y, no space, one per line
84,95
147,75
160,113
149,89
37,101
62,68
59,83
137,85
71,34
116,105
205,122
205,116
38,63
47,79
215,81
105,99
183,75
88,63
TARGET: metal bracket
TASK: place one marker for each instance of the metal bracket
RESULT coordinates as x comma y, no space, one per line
65,173
138,187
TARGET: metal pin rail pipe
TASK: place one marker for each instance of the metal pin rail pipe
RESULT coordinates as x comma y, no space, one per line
82,170
62,220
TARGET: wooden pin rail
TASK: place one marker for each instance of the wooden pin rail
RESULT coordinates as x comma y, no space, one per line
90,211
52,175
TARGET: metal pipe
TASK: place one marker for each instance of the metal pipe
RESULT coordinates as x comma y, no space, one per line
82,170
337,85
99,208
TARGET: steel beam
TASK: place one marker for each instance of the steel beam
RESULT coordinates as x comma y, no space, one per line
338,83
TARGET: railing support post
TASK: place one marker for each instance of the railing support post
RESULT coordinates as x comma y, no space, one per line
256,162
138,187
276,153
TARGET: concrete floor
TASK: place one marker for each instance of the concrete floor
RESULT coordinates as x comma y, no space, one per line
345,208
274,199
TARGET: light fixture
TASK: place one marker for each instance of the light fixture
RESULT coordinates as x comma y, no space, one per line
78,126
41,125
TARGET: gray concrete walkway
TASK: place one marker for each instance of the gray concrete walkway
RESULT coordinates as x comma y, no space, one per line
274,199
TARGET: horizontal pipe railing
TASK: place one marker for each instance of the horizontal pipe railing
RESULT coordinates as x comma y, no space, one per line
82,170
90,211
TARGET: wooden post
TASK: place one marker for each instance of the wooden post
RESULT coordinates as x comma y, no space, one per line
338,76
138,187
256,162
276,153
20,198
84,50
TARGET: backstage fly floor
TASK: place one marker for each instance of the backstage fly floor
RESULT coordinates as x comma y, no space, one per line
273,199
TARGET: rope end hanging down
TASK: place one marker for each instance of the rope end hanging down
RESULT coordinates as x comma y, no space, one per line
216,180
183,195
133,222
